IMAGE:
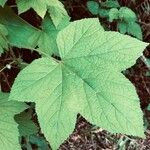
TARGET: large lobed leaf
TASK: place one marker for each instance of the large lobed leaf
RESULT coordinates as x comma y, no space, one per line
9,135
87,80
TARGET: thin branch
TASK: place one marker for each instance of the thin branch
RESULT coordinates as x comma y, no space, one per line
6,66
143,58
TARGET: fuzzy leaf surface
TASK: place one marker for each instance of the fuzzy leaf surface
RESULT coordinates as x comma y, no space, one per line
9,135
87,80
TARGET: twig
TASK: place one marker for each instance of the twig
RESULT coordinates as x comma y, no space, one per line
143,58
7,66
6,80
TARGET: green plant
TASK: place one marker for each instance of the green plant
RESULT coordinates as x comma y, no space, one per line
79,72
126,19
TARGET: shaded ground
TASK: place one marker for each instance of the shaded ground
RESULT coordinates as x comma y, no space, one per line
85,136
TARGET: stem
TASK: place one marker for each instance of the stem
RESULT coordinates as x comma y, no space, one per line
6,80
13,6
143,58
13,55
6,66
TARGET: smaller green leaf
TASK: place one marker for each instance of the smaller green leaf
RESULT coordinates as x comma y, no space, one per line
3,39
131,28
93,7
3,30
127,14
58,13
9,136
103,13
23,35
47,40
113,14
39,6
39,141
2,2
110,4
122,27
20,33
135,30
26,125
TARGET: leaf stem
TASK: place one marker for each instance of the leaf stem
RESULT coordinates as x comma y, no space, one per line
6,66
143,58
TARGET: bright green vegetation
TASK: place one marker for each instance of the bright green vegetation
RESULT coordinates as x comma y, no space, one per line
126,19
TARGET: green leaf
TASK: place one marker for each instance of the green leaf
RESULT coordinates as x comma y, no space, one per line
55,8
122,27
9,136
113,14
52,109
93,7
87,80
135,30
58,13
110,4
39,141
20,33
131,28
127,15
39,6
47,40
23,35
26,125
103,12
2,2
3,38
